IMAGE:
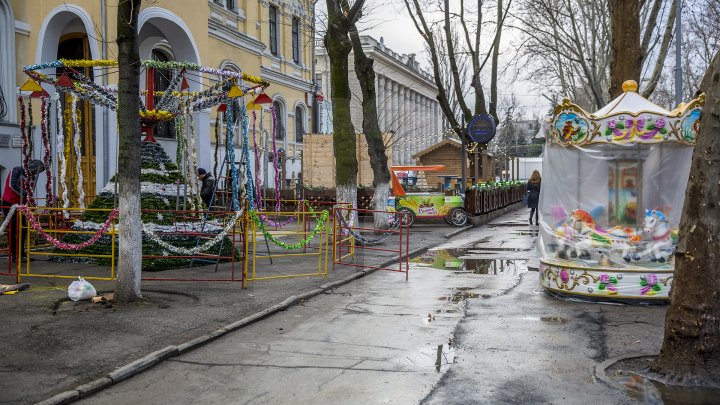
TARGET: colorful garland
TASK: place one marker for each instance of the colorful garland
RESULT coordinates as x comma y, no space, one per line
197,249
230,153
319,227
47,157
27,185
60,142
248,182
258,183
9,215
217,145
275,160
192,163
32,220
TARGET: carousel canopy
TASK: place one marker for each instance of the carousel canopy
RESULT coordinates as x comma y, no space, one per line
628,119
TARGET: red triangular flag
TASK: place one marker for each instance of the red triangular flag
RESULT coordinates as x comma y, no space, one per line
222,107
184,85
38,94
262,98
64,81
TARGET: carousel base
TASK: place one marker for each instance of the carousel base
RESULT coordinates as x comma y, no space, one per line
590,281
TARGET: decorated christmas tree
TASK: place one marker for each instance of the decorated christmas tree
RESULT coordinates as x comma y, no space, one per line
162,188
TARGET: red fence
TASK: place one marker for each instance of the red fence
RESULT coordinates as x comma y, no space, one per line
353,239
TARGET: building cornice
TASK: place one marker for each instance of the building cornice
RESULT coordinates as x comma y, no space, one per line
233,37
282,79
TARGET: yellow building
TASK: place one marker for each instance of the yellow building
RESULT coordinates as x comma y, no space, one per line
270,39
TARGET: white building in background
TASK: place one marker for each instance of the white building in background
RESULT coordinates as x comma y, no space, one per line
406,99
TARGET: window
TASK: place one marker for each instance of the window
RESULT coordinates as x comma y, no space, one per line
280,122
296,39
299,124
273,31
228,4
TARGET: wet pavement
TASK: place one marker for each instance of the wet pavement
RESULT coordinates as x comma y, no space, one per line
471,325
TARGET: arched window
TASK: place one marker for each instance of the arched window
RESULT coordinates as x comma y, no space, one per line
163,129
299,124
280,115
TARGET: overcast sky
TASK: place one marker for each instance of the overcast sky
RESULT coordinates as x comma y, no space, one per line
389,20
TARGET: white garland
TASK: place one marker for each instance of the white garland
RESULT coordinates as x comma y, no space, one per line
161,172
169,189
9,215
62,163
200,248
192,163
209,227
78,165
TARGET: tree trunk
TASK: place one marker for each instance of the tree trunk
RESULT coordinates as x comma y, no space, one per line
626,55
338,48
127,284
371,128
690,352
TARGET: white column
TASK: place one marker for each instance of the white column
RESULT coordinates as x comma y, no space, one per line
394,114
401,123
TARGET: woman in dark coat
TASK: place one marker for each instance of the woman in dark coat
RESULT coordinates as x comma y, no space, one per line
533,189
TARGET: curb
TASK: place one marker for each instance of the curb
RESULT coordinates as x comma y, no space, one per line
599,369
154,358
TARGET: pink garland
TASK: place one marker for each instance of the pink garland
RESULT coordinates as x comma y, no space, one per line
275,160
47,158
62,245
283,223
258,183
26,185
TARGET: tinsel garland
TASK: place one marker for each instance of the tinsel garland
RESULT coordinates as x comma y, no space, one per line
47,157
197,249
230,153
217,144
32,220
248,183
30,128
69,128
179,130
191,177
60,142
290,220
258,183
6,221
318,227
27,185
78,155
275,160
348,228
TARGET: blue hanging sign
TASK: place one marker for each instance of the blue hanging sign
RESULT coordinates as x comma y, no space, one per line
481,128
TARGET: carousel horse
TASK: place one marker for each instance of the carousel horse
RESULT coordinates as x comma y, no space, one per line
581,233
663,237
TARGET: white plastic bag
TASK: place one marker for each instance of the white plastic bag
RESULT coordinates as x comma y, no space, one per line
81,290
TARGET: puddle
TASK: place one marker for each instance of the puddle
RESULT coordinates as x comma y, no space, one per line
647,391
499,249
446,311
553,319
459,296
438,357
447,259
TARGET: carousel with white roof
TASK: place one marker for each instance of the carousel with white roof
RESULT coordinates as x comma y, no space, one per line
612,194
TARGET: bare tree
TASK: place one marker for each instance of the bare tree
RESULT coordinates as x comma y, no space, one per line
565,45
338,46
690,352
371,127
127,284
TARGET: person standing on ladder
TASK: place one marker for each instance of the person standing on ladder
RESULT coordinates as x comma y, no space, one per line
208,186
14,193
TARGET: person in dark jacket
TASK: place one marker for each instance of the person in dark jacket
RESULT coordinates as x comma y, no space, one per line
208,186
533,189
14,193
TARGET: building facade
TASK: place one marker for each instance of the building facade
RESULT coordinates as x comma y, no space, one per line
267,38
406,99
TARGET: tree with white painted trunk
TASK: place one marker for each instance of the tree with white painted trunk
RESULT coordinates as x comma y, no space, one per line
338,46
129,270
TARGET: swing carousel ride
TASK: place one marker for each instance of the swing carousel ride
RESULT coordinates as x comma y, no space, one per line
70,84
612,194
